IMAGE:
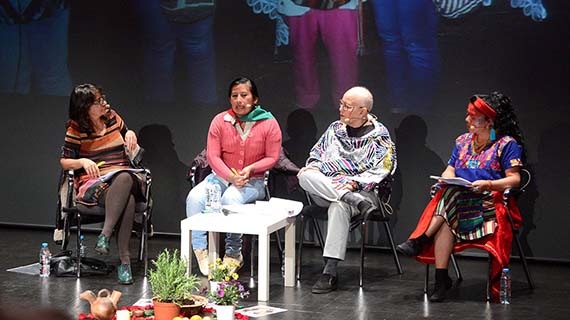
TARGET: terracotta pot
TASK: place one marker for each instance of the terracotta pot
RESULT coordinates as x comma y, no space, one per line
165,310
194,309
225,312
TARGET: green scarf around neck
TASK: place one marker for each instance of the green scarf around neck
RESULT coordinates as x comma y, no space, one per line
256,114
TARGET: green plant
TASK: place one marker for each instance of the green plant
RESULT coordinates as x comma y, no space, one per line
228,293
223,271
168,279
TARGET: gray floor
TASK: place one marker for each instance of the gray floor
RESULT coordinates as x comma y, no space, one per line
386,295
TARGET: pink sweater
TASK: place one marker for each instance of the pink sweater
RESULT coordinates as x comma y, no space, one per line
227,150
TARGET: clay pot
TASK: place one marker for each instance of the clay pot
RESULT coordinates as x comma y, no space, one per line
165,310
104,305
190,310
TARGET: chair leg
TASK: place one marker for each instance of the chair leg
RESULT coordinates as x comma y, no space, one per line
393,246
252,261
144,244
319,233
300,251
488,286
78,247
456,268
523,259
426,279
363,241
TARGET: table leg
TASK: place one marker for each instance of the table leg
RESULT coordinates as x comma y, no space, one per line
186,244
290,255
263,268
213,245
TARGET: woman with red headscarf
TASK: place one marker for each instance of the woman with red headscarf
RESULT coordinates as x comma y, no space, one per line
490,156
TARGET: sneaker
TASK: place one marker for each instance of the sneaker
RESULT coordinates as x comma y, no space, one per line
102,246
124,274
439,291
237,261
203,261
325,284
409,248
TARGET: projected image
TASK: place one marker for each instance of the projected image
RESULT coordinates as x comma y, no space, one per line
34,45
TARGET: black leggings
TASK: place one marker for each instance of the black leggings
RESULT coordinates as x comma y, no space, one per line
119,201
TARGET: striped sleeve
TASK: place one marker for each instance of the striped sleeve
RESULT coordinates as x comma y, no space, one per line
72,142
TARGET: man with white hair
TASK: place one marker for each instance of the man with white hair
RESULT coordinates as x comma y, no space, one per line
351,157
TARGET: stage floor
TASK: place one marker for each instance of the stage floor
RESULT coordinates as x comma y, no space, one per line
386,295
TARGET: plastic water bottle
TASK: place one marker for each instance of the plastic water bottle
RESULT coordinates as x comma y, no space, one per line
216,197
505,295
45,259
208,206
82,246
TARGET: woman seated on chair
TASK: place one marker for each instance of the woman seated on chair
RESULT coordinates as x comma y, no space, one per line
243,142
489,156
96,145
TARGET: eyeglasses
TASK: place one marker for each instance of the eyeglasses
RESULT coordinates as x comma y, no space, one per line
346,106
101,101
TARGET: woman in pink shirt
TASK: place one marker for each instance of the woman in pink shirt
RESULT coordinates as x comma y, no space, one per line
243,142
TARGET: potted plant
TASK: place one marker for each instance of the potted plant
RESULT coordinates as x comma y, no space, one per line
171,285
226,298
222,272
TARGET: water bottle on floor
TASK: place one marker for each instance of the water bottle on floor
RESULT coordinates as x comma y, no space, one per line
82,246
216,197
45,259
505,295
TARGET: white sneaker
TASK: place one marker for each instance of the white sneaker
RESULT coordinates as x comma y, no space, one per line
203,261
237,261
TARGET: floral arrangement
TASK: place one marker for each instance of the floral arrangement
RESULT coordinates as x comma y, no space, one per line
137,313
228,293
223,271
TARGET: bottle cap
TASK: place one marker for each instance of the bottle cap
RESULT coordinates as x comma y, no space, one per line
506,270
44,244
82,237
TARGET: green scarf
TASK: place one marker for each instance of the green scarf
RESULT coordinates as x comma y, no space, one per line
256,114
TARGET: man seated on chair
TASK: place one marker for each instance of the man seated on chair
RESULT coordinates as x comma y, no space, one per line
350,158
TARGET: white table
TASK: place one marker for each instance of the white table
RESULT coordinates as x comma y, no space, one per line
261,224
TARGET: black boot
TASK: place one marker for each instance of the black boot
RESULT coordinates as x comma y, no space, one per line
442,284
413,247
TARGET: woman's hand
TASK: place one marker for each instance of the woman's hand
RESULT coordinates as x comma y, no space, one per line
480,186
131,140
90,167
237,180
246,172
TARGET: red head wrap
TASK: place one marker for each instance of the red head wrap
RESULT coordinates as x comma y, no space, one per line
481,106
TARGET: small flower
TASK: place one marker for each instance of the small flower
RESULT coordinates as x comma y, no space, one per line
221,293
235,276
227,279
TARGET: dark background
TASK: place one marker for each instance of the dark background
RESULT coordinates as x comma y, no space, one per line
494,48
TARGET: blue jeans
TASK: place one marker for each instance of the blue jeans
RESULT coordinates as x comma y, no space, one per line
196,201
33,56
162,39
408,29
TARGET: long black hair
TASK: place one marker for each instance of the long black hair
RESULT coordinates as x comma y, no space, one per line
81,98
506,123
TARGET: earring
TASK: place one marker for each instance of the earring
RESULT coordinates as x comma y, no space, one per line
493,135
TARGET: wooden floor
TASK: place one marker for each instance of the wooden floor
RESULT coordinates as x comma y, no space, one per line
385,295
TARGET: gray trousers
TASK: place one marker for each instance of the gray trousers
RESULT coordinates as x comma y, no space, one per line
323,194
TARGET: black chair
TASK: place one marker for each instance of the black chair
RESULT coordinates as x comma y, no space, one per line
383,190
199,170
72,214
507,195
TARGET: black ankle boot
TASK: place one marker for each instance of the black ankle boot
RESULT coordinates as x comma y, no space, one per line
442,283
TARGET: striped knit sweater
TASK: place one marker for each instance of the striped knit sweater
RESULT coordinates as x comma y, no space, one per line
366,160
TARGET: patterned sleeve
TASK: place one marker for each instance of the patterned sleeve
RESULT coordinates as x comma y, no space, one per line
455,153
511,155
319,149
72,142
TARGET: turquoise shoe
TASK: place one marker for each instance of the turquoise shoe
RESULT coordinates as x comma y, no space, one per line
124,274
102,246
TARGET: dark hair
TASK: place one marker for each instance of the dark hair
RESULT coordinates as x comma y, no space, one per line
506,123
244,80
81,98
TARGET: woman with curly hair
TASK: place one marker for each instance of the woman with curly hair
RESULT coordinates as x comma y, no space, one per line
490,156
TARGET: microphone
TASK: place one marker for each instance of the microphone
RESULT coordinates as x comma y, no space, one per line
347,120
